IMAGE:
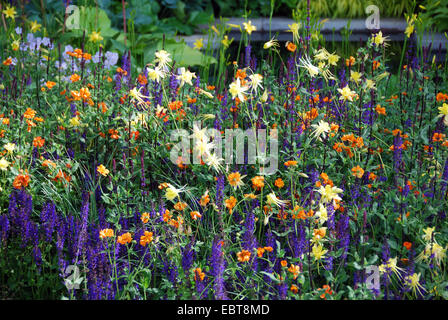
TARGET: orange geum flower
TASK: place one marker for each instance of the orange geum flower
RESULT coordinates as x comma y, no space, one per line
106,233
243,256
124,238
146,238
358,172
102,170
260,252
290,163
258,182
407,245
21,181
438,137
50,84
198,274
279,183
75,77
291,46
235,179
29,113
294,288
380,110
7,62
38,142
284,263
145,217
230,203
180,206
295,270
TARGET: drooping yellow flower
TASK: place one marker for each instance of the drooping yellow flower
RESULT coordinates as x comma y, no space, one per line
355,76
273,43
10,147
4,164
378,38
413,282
434,250
391,266
333,59
329,193
162,58
428,234
236,90
95,37
322,214
172,193
249,27
271,198
320,130
255,81
185,77
346,93
318,252
294,28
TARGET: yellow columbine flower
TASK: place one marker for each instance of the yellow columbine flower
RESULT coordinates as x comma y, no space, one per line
391,265
346,93
322,214
329,194
136,95
433,249
236,90
272,199
4,164
355,76
443,110
95,36
198,44
172,193
273,43
10,147
249,27
413,283
370,84
255,81
320,129
162,58
185,77
35,26
428,234
318,252
294,28
378,38
333,59
10,12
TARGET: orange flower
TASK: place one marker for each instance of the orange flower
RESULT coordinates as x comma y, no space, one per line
145,217
291,46
142,79
376,64
48,163
358,172
50,84
234,179
75,77
7,62
295,270
230,203
102,170
279,183
198,274
29,113
294,288
438,137
21,181
38,142
106,233
291,163
243,256
145,239
195,215
180,206
380,110
205,199
350,62
407,245
124,238
260,252
284,263
258,182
